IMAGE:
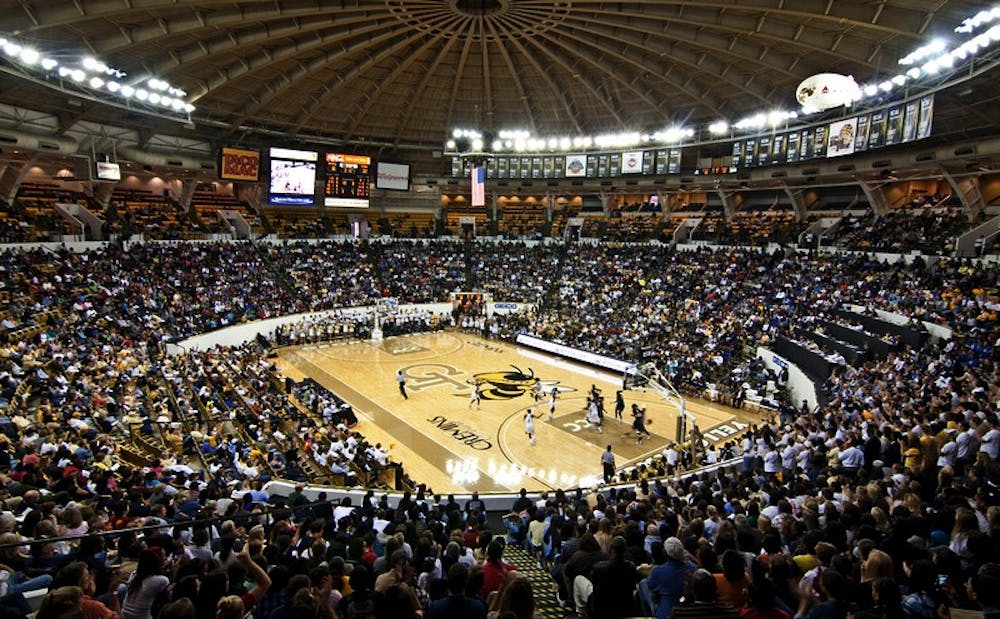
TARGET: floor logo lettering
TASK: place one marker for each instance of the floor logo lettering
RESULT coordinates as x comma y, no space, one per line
462,432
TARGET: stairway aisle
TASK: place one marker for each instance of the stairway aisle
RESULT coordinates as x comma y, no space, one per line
544,587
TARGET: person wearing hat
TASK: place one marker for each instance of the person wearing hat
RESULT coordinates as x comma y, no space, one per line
663,589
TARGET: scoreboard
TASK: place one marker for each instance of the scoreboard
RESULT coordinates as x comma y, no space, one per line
348,180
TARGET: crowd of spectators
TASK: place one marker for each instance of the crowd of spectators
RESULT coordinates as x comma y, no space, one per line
421,271
904,451
514,271
917,228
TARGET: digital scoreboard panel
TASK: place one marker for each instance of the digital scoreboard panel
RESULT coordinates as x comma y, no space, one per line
348,180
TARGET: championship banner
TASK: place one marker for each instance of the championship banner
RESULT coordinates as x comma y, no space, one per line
926,117
674,162
861,137
876,130
237,164
910,121
894,126
793,147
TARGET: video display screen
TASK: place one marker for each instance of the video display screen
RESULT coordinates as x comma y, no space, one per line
293,177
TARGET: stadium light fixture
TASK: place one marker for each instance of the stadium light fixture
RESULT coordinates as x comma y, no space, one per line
719,127
933,48
91,73
30,56
978,20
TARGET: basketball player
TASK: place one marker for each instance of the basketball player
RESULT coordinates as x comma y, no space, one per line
537,391
639,423
619,405
552,404
401,379
529,425
594,414
477,395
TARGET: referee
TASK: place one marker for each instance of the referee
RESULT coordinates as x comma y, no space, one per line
401,379
608,460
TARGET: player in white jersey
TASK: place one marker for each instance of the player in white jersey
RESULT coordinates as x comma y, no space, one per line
529,425
477,395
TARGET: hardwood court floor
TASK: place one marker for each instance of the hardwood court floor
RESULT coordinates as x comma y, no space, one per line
453,447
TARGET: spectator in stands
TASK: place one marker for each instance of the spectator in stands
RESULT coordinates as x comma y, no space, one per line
456,605
665,586
615,583
704,602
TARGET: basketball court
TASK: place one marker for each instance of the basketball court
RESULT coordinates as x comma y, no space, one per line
454,448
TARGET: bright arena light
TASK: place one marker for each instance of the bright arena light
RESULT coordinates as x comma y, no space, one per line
719,127
29,56
90,72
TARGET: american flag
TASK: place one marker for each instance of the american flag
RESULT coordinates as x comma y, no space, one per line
478,186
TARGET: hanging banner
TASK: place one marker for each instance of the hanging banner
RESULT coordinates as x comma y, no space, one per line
910,121
632,162
894,126
926,117
842,136
861,137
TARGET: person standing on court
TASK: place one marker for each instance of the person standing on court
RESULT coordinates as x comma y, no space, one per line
529,425
639,423
619,405
608,461
477,395
401,379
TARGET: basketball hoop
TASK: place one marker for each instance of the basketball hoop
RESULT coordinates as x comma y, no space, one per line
387,306
647,377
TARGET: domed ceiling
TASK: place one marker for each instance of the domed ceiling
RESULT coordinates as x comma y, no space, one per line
407,72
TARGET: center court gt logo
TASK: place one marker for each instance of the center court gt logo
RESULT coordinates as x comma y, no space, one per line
510,384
